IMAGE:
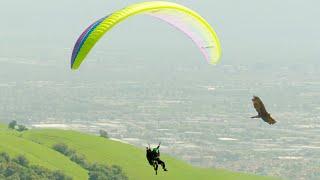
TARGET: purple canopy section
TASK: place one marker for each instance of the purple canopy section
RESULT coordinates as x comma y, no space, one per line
83,37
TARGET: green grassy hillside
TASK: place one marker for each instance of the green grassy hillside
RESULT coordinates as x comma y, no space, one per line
36,146
12,143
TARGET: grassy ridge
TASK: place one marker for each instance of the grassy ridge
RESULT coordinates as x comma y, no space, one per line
130,158
12,143
36,146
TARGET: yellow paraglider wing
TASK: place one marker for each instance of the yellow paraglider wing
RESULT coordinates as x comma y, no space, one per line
183,18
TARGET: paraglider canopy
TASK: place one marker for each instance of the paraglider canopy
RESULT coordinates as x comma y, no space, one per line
180,17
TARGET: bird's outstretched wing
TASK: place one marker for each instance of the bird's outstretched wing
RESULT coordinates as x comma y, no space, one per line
259,106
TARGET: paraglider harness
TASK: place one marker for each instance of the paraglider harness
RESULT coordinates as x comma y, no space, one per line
153,157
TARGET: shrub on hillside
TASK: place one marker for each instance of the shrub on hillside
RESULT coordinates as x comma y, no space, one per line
23,161
19,168
22,128
4,157
79,160
12,124
61,148
103,134
58,175
97,175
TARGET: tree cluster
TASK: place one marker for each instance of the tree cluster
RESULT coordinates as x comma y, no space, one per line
19,127
96,171
19,168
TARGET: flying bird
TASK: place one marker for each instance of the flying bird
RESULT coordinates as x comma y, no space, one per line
262,112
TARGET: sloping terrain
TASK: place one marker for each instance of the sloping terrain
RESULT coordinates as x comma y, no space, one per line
36,146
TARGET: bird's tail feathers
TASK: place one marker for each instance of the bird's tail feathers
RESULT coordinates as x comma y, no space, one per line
271,120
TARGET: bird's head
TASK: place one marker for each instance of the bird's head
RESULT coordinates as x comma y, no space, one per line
255,98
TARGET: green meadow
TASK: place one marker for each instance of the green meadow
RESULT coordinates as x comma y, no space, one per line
36,146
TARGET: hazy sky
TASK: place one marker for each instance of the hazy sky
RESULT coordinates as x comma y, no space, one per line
249,30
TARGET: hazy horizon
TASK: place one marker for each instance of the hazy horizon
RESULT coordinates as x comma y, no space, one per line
145,81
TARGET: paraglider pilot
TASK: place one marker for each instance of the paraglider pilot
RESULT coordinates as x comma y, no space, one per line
153,157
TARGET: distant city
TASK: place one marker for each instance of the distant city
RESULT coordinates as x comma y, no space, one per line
200,113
